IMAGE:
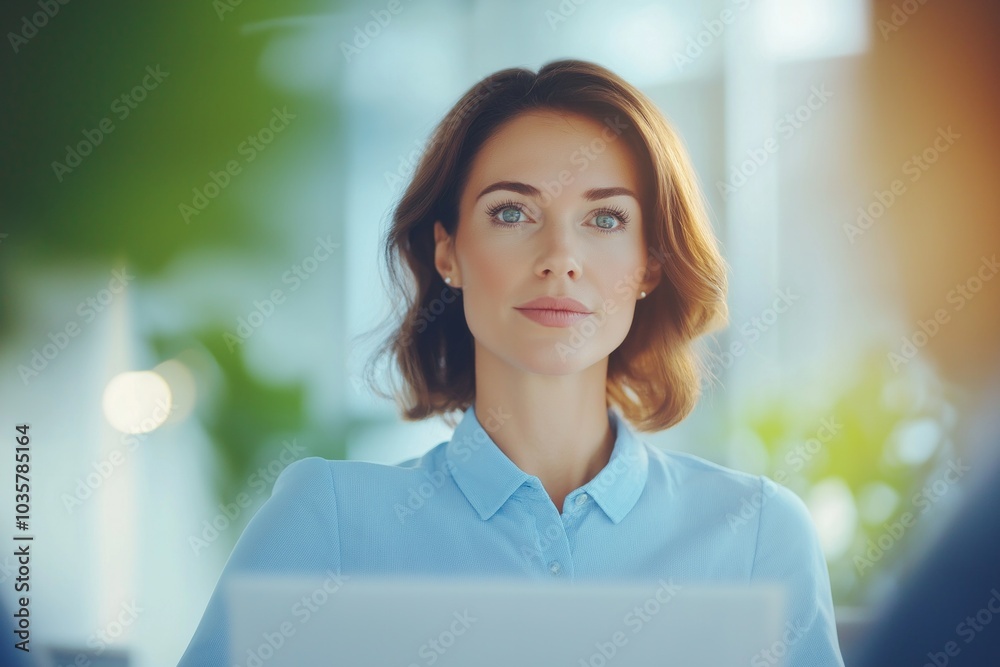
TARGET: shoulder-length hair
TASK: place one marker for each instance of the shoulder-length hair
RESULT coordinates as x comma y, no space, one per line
654,376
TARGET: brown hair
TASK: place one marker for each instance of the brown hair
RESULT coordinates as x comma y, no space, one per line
654,376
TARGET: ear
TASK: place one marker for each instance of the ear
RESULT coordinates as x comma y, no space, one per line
654,273
444,254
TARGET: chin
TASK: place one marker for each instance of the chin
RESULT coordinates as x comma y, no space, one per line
553,351
553,358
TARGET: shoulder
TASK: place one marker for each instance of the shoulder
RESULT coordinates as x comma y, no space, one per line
689,474
306,473
749,504
346,479
767,529
313,499
688,471
296,526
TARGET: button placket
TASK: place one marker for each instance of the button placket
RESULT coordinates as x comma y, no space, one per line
552,539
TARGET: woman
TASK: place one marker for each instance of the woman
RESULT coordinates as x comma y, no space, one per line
560,265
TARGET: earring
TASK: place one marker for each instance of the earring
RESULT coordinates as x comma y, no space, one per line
642,295
448,280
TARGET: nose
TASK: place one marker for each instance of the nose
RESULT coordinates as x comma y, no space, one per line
559,255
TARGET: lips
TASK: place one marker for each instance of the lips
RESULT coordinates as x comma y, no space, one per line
555,303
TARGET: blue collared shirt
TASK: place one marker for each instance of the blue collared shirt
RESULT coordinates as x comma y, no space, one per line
464,508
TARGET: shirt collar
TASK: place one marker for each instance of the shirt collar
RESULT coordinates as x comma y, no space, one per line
488,477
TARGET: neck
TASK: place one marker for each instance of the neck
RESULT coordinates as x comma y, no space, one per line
555,427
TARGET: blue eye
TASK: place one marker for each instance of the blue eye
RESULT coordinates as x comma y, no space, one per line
606,218
511,213
605,221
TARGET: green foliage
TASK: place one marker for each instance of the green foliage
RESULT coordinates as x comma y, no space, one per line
864,442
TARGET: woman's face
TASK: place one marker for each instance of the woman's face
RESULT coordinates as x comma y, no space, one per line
550,208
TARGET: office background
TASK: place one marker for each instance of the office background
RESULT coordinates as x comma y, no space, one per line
194,197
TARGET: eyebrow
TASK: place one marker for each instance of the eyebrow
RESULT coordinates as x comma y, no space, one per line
531,191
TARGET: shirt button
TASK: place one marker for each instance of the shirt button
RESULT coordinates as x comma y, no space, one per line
555,567
581,499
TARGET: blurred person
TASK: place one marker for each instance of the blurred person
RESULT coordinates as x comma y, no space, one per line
933,85
555,264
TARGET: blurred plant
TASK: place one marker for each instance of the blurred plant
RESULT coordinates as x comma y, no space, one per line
861,466
250,420
140,118
122,112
